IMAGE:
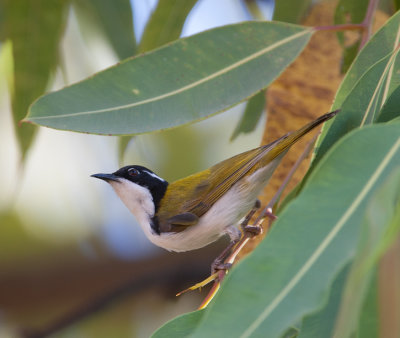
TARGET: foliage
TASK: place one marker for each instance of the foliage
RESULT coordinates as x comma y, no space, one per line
317,270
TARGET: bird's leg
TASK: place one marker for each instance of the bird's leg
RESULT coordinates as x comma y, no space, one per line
225,260
219,263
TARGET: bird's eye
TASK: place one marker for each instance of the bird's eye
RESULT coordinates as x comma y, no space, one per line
133,172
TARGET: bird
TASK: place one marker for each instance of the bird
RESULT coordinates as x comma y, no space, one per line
196,210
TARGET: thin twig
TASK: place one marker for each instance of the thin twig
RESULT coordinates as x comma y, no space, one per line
367,22
343,27
365,25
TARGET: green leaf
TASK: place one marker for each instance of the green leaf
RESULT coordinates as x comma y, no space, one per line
397,4
391,108
254,9
380,223
368,326
381,44
165,24
113,19
349,54
289,274
362,105
35,28
183,82
321,323
365,67
251,115
349,12
181,326
292,11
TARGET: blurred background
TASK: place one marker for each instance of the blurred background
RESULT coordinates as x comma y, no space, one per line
71,255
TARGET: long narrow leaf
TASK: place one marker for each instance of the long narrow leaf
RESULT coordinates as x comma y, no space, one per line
113,18
382,46
165,23
363,103
183,82
376,228
35,28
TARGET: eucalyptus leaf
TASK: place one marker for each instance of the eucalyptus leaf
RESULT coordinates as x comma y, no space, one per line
165,23
368,326
35,29
363,103
322,323
382,44
380,213
349,12
112,18
185,81
251,115
181,326
288,276
391,108
292,11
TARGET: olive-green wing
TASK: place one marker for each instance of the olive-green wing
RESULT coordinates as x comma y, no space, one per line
194,195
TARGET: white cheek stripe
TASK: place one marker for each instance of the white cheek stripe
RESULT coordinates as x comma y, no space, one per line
154,175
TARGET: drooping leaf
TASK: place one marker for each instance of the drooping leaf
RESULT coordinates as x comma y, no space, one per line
377,225
251,115
254,9
183,82
349,54
380,46
35,28
349,12
292,11
165,23
113,19
289,274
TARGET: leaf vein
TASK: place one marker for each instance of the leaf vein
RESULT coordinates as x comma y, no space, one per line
324,244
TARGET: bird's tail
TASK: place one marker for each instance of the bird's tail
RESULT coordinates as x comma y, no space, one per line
286,141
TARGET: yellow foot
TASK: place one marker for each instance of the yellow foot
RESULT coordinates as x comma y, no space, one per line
208,280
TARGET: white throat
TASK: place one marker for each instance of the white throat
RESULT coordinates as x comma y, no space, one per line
138,200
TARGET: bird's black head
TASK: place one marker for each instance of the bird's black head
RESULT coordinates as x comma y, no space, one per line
141,176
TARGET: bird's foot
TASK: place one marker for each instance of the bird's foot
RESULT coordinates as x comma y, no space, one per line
253,230
201,284
218,265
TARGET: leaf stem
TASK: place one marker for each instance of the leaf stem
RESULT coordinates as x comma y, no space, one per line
367,22
343,27
365,25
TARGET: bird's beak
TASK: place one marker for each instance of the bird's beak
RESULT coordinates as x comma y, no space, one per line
106,177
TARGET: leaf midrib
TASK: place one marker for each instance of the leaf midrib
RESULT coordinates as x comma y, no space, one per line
184,88
324,244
